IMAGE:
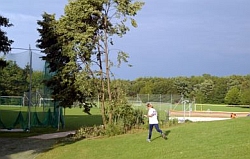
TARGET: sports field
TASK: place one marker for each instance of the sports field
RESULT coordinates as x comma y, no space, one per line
166,110
216,139
9,114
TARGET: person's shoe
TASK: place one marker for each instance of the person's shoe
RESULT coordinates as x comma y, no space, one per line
148,140
163,135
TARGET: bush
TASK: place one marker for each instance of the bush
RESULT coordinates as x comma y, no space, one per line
87,132
116,129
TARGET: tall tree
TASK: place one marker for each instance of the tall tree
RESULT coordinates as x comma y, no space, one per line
5,42
61,82
86,31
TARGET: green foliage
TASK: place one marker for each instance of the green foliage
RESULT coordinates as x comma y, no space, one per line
5,43
182,85
245,97
200,97
3,63
121,114
202,89
77,41
89,132
219,91
232,96
61,65
13,81
147,89
126,120
114,129
206,87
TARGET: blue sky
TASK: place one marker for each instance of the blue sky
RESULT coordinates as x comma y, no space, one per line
173,38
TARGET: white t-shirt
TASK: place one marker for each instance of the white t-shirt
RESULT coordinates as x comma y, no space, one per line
153,119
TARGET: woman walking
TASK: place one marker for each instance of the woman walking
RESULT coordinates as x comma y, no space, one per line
153,121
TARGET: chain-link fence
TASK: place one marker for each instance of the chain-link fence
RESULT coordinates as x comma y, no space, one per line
158,99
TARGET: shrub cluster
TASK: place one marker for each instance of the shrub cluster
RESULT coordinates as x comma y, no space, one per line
88,132
112,130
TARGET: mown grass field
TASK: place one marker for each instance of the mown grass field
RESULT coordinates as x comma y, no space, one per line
201,140
75,117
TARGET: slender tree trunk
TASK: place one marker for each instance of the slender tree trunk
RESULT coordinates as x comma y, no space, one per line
106,51
103,110
102,93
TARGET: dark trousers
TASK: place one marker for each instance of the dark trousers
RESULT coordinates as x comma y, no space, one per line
151,126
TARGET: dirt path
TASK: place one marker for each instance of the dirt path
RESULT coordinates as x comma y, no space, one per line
28,148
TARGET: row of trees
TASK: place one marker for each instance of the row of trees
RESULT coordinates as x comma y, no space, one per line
234,90
15,81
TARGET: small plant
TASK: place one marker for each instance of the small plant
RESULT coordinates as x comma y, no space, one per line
169,123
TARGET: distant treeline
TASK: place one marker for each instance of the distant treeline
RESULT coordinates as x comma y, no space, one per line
232,90
14,81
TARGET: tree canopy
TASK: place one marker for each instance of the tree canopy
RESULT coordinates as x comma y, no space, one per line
5,42
77,48
203,89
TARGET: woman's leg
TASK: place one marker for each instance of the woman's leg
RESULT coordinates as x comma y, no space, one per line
150,128
160,131
157,128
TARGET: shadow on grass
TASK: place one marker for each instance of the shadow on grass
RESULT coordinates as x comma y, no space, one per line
73,122
166,135
23,147
17,145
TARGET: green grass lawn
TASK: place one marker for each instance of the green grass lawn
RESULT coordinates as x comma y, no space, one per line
75,117
201,140
207,140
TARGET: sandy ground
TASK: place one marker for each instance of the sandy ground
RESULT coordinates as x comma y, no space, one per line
210,114
196,116
28,148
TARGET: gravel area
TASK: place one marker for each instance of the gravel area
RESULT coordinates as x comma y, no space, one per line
28,148
24,148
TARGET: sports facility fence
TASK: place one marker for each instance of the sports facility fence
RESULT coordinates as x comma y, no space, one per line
32,108
163,103
18,112
12,100
170,100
